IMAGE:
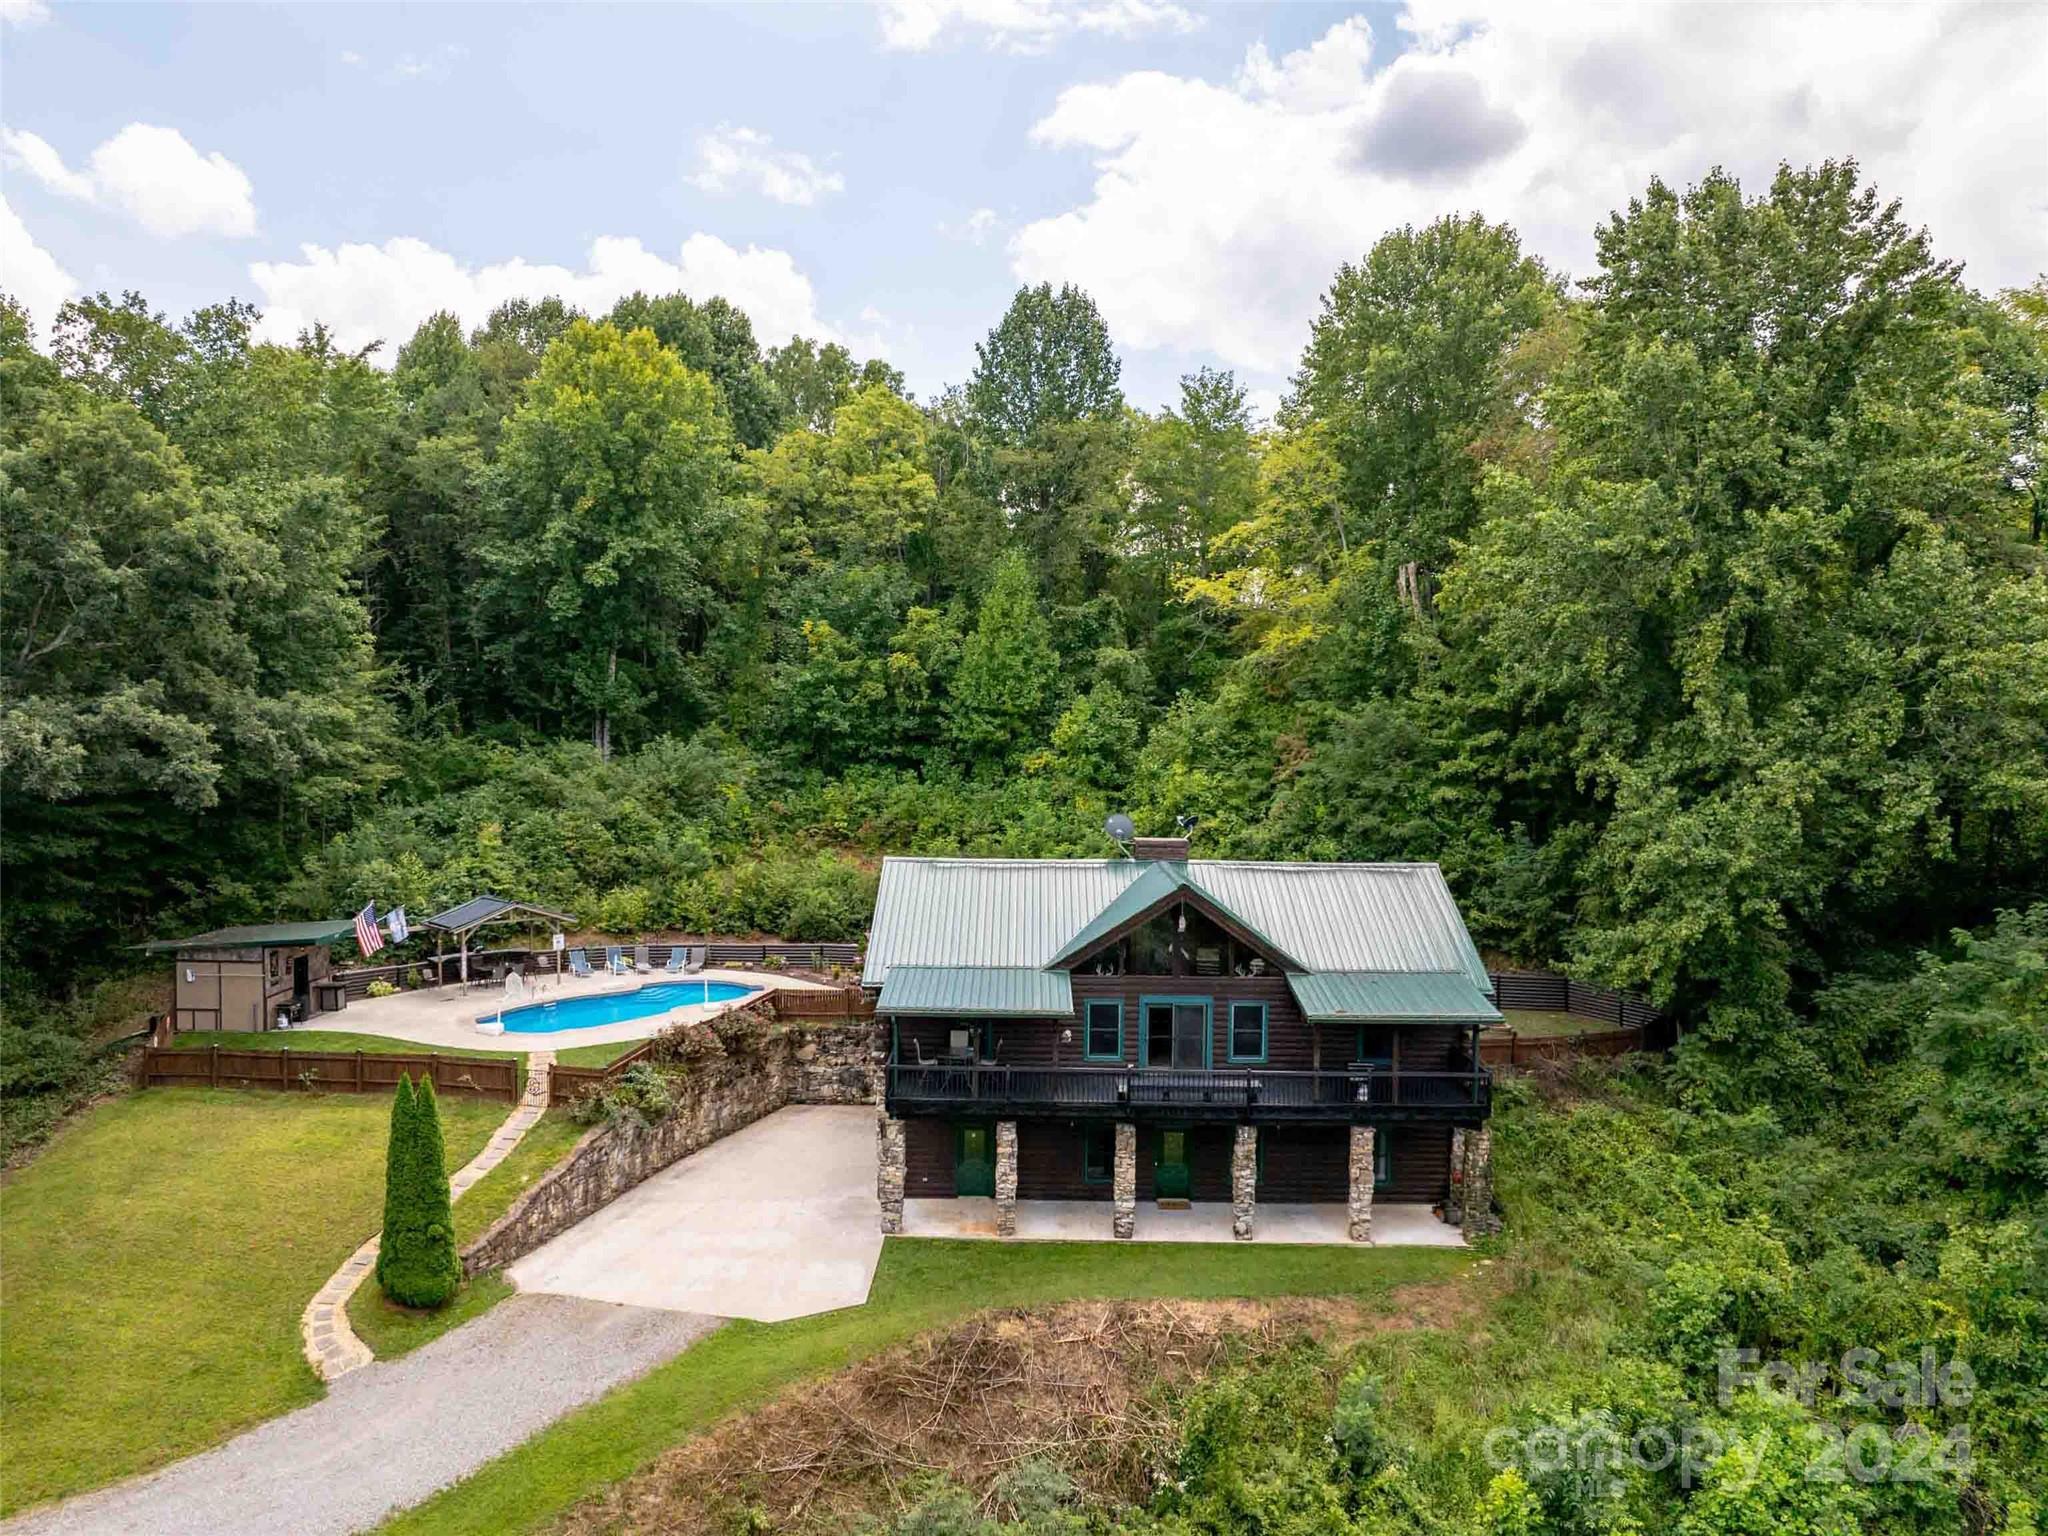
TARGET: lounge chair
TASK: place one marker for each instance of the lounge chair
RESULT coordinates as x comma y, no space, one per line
693,958
677,955
642,961
615,957
579,963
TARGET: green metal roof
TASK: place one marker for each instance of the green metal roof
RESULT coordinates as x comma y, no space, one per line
261,936
1336,997
967,991
1026,912
1161,879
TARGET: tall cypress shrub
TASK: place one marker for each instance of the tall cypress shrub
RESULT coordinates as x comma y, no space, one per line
416,1262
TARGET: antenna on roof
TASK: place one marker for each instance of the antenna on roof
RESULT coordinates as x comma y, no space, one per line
1120,829
1186,824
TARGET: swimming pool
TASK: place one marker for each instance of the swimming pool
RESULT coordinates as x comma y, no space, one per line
617,1007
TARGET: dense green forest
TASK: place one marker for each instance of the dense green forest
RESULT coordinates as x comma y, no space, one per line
1693,613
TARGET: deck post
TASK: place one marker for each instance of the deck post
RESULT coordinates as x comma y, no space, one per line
889,1165
1006,1178
1244,1182
1361,1169
1124,1206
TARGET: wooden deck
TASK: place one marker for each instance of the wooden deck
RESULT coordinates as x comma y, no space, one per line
1235,1093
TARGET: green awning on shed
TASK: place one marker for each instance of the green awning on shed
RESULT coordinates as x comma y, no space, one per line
261,936
1355,997
977,992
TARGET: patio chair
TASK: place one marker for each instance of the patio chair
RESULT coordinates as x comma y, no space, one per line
642,961
677,955
693,958
615,958
579,963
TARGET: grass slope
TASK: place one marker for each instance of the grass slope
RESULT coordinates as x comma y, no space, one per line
920,1284
596,1055
159,1253
392,1330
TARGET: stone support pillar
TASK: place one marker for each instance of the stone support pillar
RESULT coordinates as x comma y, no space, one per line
1124,1212
1244,1182
1478,1194
1006,1178
1361,1169
889,1166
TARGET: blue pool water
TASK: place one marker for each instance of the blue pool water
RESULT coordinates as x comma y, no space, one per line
617,1007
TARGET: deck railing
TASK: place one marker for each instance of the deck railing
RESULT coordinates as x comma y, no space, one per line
1311,1095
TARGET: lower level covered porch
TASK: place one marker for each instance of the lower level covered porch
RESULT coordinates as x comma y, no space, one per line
1396,1225
1055,1177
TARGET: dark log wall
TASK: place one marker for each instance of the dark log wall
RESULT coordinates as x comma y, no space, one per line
927,1158
1299,1164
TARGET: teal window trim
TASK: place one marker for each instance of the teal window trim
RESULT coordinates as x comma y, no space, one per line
1106,1174
1358,1055
1230,1044
1145,1005
1088,1051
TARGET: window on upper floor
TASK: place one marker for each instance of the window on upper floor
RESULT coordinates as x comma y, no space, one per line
1247,1031
1104,1030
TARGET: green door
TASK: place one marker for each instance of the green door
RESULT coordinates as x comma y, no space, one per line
974,1162
1170,1167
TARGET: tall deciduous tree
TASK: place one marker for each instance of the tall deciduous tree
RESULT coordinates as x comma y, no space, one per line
613,535
1408,367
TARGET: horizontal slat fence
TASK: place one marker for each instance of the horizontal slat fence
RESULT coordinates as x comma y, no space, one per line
328,1071
1548,992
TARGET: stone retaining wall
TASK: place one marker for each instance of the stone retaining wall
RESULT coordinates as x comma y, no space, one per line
733,1069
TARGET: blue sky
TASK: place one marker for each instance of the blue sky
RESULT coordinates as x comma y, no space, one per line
889,174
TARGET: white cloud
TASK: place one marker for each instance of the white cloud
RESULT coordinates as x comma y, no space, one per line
31,273
1220,211
367,293
36,156
974,229
153,175
24,13
731,159
351,58
1025,26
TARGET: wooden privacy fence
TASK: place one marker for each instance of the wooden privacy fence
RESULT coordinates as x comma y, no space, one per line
328,1071
806,1005
1510,1048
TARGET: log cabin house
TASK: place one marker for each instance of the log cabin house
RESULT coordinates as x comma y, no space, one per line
1166,1029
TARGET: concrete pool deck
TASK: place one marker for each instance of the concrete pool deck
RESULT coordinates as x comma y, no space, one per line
446,1017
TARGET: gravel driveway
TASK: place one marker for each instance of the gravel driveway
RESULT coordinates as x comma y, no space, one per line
389,1435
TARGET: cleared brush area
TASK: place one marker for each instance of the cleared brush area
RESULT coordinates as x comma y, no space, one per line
1087,1387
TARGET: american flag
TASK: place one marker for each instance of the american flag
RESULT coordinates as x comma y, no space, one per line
368,939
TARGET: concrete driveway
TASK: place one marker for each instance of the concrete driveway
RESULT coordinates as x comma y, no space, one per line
778,1220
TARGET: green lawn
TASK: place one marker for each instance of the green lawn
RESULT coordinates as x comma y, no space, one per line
921,1284
1540,1025
158,1255
597,1055
392,1330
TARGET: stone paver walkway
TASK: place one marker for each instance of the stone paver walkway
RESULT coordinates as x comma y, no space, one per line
331,1345
389,1436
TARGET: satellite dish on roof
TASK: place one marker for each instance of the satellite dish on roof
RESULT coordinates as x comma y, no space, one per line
1120,828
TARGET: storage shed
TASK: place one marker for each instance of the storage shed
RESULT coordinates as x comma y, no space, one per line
243,978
